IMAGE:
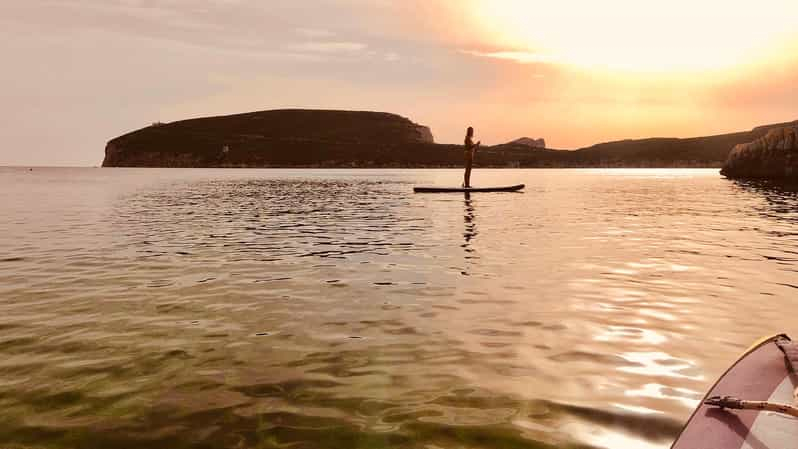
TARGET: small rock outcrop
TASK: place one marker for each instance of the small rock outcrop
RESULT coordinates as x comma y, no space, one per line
774,156
425,134
529,142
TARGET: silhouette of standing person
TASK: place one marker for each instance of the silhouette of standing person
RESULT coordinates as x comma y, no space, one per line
470,149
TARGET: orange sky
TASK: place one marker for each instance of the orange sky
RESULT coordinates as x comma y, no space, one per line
575,72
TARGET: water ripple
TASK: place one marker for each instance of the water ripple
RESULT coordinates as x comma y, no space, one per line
335,309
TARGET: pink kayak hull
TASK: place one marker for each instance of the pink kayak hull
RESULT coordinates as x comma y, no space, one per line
761,374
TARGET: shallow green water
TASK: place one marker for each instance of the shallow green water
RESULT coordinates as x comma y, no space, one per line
336,309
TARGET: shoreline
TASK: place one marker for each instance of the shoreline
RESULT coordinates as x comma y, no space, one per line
428,167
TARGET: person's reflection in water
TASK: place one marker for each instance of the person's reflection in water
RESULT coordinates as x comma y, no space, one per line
470,229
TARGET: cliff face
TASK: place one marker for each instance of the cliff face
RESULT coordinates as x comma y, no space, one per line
425,134
267,138
774,156
529,142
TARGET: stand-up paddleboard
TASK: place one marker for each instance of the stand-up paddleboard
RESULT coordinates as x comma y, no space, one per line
750,406
468,189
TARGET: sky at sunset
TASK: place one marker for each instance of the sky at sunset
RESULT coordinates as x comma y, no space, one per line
576,72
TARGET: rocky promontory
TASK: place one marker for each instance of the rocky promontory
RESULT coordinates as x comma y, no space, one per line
773,156
529,142
290,137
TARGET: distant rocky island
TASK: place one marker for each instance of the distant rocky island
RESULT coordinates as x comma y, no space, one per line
325,138
531,143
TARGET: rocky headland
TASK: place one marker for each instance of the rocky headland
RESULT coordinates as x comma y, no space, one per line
324,138
529,142
774,156
291,137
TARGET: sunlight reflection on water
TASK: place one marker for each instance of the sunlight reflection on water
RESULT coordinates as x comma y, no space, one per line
334,308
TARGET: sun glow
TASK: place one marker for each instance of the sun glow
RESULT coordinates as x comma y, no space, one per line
636,35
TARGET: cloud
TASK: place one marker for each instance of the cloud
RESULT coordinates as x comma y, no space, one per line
328,47
314,33
522,57
223,25
73,62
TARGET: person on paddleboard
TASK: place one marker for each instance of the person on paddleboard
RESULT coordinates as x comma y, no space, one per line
470,149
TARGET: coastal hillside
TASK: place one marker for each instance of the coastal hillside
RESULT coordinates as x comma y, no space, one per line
268,138
324,138
708,151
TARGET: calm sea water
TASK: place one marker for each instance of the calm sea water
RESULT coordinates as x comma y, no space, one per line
337,309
